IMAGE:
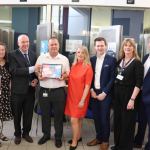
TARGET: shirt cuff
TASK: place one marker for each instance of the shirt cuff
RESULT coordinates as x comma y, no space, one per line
31,69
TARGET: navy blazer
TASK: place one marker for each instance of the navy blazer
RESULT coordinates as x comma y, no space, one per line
19,70
107,72
146,84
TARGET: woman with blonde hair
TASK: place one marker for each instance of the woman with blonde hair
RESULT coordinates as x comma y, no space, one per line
127,86
79,82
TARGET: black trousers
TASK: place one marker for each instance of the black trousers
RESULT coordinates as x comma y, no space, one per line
23,104
124,120
52,99
142,123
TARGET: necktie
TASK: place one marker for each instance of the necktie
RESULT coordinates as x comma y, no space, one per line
27,59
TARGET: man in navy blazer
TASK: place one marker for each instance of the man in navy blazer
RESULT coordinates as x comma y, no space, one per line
144,110
104,68
23,82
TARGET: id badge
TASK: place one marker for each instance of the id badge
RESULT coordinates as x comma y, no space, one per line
45,94
120,77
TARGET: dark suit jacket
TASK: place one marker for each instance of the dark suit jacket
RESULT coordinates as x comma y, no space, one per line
20,72
107,73
146,84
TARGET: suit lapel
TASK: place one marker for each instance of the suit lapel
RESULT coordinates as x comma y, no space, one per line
104,62
21,57
30,57
94,62
144,60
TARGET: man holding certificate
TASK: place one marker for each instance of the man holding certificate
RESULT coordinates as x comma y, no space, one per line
52,70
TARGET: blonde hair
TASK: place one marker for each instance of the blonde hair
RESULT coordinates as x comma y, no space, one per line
86,56
132,42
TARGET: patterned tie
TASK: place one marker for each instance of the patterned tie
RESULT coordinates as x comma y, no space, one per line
27,59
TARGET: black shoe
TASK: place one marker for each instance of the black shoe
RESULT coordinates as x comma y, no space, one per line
80,140
28,138
147,147
73,147
43,140
58,143
17,140
114,147
137,145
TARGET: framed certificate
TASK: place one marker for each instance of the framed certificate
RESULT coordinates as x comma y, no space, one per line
51,70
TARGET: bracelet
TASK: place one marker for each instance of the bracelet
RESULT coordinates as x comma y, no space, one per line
132,99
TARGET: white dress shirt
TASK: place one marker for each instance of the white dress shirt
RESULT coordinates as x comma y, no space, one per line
146,66
98,69
59,59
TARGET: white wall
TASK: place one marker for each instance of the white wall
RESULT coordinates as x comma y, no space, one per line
146,21
29,2
138,3
101,16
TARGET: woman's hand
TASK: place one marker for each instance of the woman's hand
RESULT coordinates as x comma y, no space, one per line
130,105
81,104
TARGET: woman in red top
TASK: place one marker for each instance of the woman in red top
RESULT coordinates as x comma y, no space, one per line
80,79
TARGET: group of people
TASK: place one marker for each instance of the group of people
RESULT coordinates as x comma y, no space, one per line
101,79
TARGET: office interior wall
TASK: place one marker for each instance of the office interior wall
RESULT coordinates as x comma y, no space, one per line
101,16
119,3
135,21
45,14
5,17
146,22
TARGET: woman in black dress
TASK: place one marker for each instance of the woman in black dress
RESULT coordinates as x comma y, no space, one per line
5,109
129,78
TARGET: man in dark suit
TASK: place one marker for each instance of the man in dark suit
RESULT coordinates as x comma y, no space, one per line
146,93
21,66
104,67
144,111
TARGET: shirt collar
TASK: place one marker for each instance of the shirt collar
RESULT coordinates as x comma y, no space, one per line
23,52
101,56
49,56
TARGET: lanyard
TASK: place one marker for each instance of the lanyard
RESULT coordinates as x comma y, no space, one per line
125,64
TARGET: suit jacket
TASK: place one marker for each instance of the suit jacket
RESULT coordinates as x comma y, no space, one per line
107,73
146,84
20,72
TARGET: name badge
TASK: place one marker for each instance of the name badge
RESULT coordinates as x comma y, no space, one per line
120,77
45,94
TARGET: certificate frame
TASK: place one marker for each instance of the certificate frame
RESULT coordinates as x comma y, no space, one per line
52,71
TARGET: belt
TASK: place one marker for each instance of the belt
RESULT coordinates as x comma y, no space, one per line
51,89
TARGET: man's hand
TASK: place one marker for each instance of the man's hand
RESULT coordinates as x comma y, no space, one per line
38,68
93,94
101,96
40,77
34,83
63,77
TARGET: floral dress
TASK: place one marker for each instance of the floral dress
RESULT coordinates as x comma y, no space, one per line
5,108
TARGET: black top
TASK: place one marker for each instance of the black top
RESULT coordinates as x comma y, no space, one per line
132,74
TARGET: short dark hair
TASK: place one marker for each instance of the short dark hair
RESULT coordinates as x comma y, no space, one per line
3,44
100,39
